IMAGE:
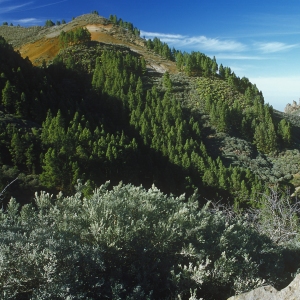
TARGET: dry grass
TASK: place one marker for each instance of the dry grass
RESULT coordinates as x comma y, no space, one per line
41,43
44,49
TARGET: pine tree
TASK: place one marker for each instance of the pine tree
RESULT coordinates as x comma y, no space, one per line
221,71
167,81
17,149
284,132
30,158
21,106
49,23
214,68
9,97
52,169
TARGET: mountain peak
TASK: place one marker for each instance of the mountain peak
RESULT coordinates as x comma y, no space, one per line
40,43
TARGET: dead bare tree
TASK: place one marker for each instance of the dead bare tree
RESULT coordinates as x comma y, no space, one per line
278,216
4,190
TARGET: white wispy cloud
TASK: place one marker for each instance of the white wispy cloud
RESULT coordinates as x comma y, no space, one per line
273,47
235,56
13,7
24,6
45,5
197,42
152,35
28,21
213,44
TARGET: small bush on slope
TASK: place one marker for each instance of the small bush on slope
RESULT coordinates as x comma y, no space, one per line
130,243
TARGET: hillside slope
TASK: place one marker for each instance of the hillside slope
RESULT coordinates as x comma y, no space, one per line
146,123
211,128
40,43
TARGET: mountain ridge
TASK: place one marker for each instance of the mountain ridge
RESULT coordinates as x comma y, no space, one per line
41,43
237,125
97,104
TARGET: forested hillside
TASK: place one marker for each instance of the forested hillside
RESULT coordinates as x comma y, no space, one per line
99,112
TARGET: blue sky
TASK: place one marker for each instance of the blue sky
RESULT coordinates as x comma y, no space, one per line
256,39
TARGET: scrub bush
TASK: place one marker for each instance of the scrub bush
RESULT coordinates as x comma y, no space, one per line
131,243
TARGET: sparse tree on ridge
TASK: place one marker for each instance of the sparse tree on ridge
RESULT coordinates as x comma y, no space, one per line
49,23
79,35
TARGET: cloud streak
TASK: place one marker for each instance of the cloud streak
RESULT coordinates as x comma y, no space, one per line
13,7
45,5
27,21
235,56
273,47
162,35
202,43
19,7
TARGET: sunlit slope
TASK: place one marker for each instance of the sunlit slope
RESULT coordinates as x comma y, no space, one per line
47,47
43,49
42,44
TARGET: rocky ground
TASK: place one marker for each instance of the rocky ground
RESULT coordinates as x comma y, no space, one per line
291,292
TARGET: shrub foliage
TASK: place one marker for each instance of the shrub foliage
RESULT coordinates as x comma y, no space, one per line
130,243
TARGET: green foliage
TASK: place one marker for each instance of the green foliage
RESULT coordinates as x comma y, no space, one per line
129,241
75,150
265,137
196,64
96,114
243,115
167,81
49,23
127,25
133,127
9,97
161,48
77,36
103,119
229,110
284,132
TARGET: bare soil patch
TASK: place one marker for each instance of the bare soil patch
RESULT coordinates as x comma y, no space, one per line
42,43
43,49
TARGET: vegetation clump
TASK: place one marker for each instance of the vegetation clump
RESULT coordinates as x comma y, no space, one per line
129,242
79,35
124,24
49,23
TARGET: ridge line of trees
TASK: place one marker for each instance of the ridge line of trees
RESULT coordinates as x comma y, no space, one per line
124,24
73,37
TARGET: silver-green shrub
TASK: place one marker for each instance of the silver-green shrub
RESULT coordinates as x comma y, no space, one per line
129,243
